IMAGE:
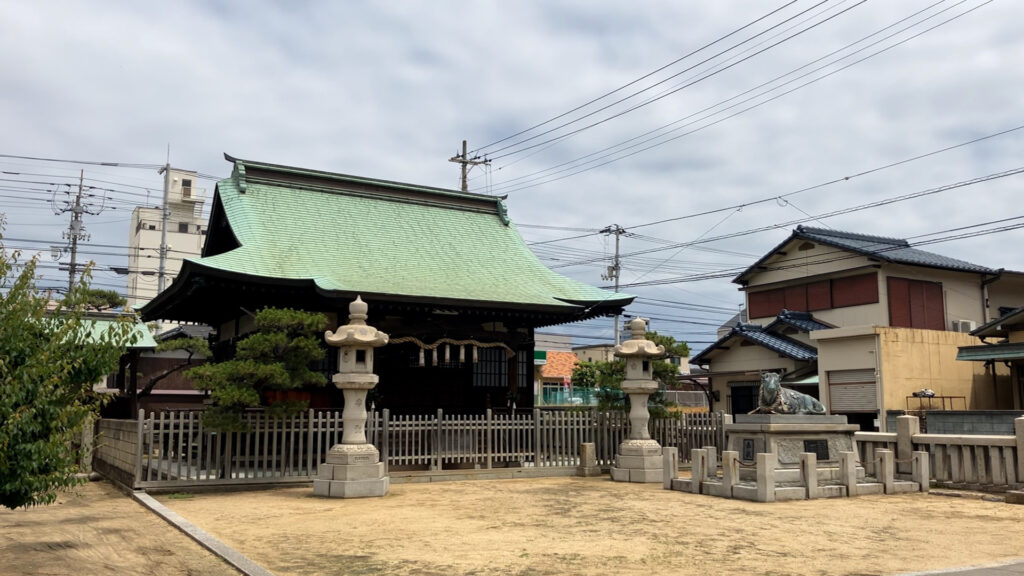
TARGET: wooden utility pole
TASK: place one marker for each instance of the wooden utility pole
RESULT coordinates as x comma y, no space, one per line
466,162
614,271
75,231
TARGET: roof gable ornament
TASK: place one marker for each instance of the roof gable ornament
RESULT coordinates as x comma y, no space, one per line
239,173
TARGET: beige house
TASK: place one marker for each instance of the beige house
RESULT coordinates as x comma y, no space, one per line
892,318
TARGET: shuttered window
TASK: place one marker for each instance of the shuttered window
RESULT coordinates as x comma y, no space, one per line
916,304
855,290
852,391
813,296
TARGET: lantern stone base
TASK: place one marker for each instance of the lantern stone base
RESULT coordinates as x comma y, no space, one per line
351,471
638,461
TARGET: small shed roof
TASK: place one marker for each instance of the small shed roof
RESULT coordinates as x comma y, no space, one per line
783,345
985,352
802,321
143,339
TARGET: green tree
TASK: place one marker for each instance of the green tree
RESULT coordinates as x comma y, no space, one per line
96,299
194,347
274,357
49,361
608,377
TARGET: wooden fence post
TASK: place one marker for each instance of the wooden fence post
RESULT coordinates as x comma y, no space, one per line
385,445
440,438
309,444
537,457
489,441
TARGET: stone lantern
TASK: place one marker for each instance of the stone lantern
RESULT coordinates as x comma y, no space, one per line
639,456
353,468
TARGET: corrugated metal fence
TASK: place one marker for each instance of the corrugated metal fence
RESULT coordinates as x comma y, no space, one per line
172,449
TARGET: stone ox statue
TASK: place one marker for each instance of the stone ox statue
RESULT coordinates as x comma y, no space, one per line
774,399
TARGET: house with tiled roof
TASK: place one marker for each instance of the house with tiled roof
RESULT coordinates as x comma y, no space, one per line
891,319
444,272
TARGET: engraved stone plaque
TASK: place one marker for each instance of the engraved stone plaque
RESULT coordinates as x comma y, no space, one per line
747,453
817,447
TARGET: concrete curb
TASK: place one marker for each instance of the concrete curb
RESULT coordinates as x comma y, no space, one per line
230,555
996,569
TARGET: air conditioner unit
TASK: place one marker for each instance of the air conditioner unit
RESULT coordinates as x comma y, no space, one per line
964,325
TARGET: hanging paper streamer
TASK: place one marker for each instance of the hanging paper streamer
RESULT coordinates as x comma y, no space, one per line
462,354
474,354
421,357
447,354
435,356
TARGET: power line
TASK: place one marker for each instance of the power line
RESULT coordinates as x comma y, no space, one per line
669,93
508,185
727,273
627,85
848,210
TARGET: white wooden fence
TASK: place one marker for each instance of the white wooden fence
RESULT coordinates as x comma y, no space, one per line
172,449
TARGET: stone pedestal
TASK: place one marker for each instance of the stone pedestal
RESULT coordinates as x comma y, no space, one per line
788,436
351,471
638,461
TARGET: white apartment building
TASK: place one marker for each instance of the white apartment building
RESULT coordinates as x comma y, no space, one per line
186,232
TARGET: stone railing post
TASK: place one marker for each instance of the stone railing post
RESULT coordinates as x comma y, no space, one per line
696,469
670,465
588,460
711,468
921,473
906,428
848,472
766,463
809,472
1018,429
730,471
886,470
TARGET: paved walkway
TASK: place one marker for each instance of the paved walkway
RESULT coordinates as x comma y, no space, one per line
994,570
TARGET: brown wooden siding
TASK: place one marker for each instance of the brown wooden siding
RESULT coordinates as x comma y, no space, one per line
812,296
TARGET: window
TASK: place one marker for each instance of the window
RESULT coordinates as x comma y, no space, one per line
491,368
916,304
186,187
855,290
812,296
183,227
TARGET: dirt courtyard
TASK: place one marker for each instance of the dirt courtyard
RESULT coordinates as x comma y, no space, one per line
94,529
596,526
535,526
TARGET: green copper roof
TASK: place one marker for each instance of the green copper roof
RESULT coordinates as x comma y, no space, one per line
143,340
357,235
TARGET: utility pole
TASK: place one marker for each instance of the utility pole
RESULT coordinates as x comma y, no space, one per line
161,276
75,231
615,270
466,163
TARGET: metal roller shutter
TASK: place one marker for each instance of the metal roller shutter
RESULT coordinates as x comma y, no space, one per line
852,391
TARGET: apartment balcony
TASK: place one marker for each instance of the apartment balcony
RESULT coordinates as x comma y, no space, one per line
193,194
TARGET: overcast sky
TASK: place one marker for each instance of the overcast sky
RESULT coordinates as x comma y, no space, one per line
390,89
